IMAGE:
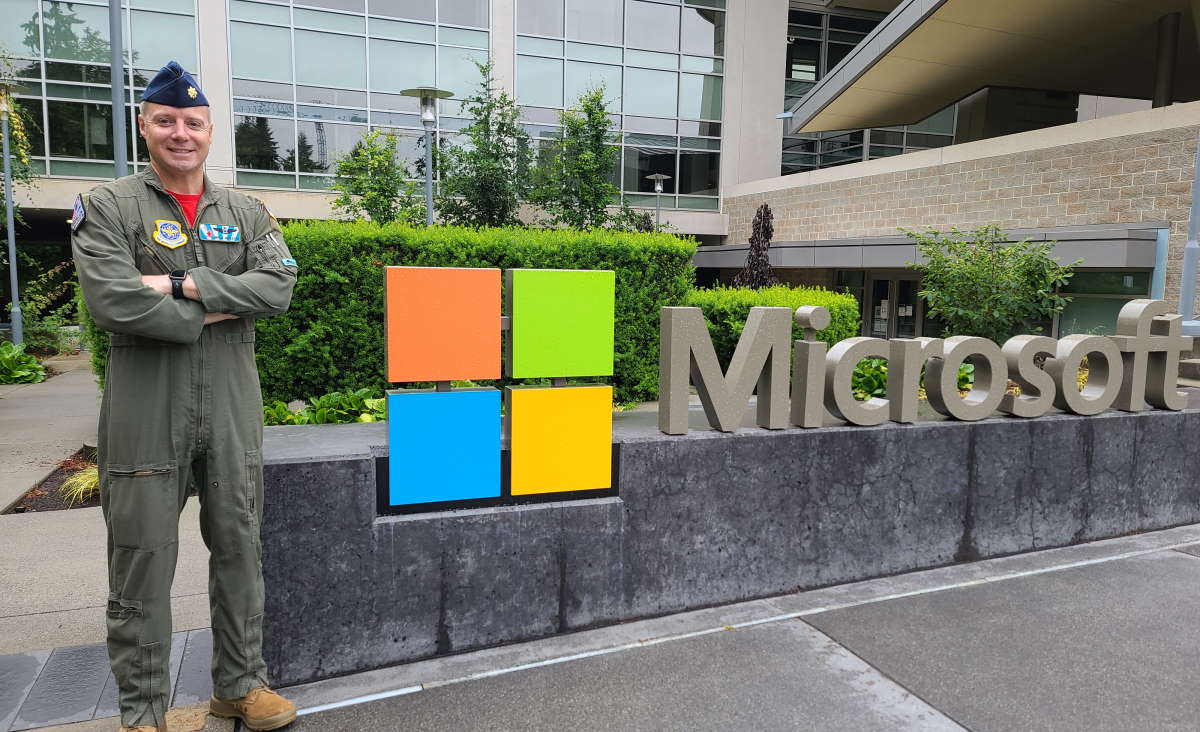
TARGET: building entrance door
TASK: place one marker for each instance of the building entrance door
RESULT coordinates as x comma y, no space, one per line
894,309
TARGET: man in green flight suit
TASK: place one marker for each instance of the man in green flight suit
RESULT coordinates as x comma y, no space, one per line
177,269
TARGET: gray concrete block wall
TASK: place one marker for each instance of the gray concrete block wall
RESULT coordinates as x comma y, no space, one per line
702,519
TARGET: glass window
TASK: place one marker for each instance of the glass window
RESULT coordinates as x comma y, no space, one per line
799,17
262,89
652,59
413,9
540,81
918,139
395,102
858,25
1091,315
332,113
699,172
650,93
582,77
179,6
260,51
77,72
19,34
647,124
543,46
597,21
703,32
457,71
703,65
464,12
803,57
585,52
74,31
355,6
33,110
160,37
320,144
1109,283
262,143
540,17
652,26
398,66
942,122
327,21
395,119
261,12
835,54
463,37
403,31
330,60
324,95
709,129
643,161
259,106
700,96
80,130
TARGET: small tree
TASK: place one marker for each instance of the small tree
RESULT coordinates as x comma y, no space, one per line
19,128
484,181
757,273
576,188
372,182
978,284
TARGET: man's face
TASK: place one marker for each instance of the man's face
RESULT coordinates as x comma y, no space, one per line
177,138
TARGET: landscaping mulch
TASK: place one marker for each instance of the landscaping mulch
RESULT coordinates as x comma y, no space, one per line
46,496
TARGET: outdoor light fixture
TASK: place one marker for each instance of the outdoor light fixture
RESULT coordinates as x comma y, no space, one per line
17,335
429,97
658,179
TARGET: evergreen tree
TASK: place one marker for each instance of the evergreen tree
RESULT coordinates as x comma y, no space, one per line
483,182
371,182
303,154
255,146
576,188
757,272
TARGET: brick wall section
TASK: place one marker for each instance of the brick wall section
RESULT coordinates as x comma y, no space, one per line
1129,179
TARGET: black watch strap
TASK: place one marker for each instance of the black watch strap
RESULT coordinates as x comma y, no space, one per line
177,278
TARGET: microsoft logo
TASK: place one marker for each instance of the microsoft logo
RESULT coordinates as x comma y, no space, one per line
445,324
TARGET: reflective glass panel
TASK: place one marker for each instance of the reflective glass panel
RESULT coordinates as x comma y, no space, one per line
1132,282
543,46
646,124
652,59
703,32
262,143
395,119
179,6
586,52
644,161
463,37
262,89
398,66
327,21
260,51
33,111
261,12
699,172
412,9
330,60
332,113
803,57
540,81
473,13
709,129
403,31
409,149
835,54
596,21
858,25
457,71
323,95
650,93
703,65
320,144
80,130
582,77
700,96
86,73
162,37
540,17
652,26
351,5
19,32
74,31
395,102
942,121
261,106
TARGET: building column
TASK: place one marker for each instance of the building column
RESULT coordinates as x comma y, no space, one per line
504,44
1164,62
212,29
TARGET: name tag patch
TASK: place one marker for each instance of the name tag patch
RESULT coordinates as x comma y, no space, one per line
169,233
220,232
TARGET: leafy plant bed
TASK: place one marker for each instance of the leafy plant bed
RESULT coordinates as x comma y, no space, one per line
46,497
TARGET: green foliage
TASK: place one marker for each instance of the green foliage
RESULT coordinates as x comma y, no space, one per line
869,379
575,188
94,339
360,405
21,127
332,337
483,182
372,183
81,485
976,284
18,367
42,318
726,310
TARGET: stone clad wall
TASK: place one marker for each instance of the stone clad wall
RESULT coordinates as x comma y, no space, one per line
1145,177
702,519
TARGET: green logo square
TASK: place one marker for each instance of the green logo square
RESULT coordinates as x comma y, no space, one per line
562,323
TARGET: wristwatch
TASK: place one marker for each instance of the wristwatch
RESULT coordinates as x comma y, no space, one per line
177,278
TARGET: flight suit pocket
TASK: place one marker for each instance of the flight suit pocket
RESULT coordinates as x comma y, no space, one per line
143,510
269,252
254,487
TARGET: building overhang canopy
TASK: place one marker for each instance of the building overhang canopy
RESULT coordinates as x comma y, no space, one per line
928,54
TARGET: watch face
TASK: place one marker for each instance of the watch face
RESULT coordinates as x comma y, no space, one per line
178,274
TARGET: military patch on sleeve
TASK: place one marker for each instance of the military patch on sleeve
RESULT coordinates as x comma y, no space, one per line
78,213
289,262
169,234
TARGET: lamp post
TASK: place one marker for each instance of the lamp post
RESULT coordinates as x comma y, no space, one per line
18,336
658,179
429,96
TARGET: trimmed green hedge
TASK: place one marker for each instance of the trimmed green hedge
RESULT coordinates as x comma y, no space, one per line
726,310
332,337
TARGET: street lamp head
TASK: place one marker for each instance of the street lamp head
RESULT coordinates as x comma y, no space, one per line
428,96
658,179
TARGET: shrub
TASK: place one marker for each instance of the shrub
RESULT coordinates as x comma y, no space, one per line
362,405
726,310
18,367
81,485
93,338
332,337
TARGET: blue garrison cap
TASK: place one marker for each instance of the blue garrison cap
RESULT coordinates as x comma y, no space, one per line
174,87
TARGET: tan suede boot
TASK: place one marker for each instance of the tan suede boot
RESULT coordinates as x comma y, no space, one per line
261,709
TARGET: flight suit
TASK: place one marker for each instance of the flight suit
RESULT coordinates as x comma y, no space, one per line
181,403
